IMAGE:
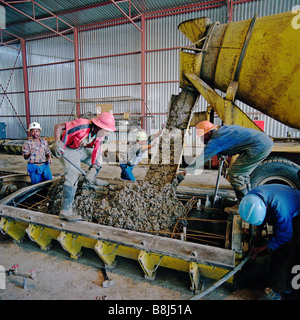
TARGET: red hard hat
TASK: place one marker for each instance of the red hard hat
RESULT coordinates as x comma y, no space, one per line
105,121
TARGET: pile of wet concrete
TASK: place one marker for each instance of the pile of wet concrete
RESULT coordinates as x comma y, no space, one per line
137,206
149,206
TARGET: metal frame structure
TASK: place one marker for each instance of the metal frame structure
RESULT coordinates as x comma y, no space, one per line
128,17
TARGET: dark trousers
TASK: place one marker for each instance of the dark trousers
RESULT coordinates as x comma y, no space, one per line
284,258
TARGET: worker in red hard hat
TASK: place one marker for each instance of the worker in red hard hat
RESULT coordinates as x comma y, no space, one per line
82,141
251,145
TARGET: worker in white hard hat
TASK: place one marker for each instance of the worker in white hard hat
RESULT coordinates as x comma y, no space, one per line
36,152
82,141
251,145
278,206
136,152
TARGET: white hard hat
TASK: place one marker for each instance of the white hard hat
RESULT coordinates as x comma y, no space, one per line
34,125
141,136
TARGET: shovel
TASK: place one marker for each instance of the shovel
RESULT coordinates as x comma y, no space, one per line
216,200
71,162
96,186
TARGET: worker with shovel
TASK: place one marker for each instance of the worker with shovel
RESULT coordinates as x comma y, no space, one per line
136,152
81,140
251,145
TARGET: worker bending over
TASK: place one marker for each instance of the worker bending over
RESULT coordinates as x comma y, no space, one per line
136,152
36,151
82,141
279,206
251,145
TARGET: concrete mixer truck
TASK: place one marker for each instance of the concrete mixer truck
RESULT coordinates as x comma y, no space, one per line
256,61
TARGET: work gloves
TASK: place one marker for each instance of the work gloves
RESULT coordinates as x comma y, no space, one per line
179,178
55,148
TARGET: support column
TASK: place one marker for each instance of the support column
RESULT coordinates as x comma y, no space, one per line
229,10
77,78
25,80
143,71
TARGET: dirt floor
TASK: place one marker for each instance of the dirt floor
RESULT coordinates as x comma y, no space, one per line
58,277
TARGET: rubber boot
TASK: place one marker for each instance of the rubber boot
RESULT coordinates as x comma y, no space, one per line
239,194
67,199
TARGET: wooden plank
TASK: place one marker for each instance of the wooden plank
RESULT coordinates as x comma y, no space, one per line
183,250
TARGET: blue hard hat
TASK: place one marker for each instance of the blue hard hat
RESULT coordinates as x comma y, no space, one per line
252,209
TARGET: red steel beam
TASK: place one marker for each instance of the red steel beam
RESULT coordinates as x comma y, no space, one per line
77,77
128,16
143,72
7,43
33,18
186,8
229,9
25,79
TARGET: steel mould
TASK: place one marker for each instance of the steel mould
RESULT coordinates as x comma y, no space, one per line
150,251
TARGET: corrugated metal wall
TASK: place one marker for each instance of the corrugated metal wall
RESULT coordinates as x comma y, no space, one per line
51,77
110,66
12,81
163,65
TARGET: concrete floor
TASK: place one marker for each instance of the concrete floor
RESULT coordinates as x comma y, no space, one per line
58,277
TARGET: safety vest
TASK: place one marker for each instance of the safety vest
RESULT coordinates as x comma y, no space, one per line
75,134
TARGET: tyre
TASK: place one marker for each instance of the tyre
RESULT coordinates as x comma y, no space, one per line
276,170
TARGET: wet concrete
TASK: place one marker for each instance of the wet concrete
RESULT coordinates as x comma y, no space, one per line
164,164
137,206
150,205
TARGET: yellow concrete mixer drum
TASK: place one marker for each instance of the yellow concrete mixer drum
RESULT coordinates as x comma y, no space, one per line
262,54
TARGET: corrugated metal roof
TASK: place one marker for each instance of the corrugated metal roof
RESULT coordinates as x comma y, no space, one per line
78,13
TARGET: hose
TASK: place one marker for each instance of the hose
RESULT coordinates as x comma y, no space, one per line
221,281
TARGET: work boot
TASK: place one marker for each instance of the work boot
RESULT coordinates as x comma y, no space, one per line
66,212
239,194
271,294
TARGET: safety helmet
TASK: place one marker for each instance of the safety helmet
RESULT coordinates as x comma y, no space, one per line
34,125
203,127
141,136
252,209
105,121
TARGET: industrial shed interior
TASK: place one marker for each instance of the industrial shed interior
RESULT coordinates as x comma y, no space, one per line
124,102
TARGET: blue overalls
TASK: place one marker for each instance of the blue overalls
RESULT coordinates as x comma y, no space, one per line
251,145
283,213
39,173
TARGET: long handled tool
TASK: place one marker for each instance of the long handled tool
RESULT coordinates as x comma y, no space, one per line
71,162
216,197
98,183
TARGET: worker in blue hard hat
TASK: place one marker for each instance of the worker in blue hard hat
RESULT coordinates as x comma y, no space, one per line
279,206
